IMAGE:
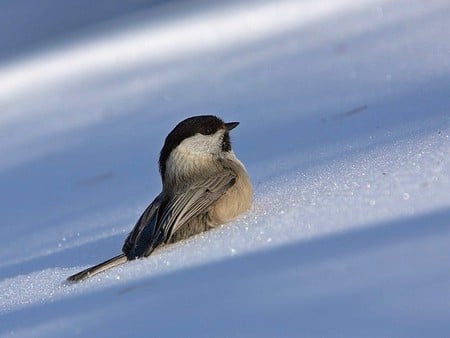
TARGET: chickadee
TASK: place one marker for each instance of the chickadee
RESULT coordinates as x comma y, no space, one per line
204,186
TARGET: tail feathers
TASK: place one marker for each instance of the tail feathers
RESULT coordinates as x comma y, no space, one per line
89,272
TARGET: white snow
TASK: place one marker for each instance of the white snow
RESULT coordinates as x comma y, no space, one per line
345,130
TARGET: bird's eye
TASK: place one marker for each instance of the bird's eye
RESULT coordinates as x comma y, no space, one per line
208,131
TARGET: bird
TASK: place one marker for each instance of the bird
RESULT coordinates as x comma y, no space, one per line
204,185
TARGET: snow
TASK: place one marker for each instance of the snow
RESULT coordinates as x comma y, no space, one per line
345,131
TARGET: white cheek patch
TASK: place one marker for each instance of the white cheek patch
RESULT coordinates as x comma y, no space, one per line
202,144
190,155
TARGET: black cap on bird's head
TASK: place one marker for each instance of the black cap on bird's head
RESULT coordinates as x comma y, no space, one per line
202,124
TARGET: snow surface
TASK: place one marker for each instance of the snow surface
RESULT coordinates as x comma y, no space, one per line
345,130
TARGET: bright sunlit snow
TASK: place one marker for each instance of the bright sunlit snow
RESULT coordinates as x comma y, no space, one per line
345,131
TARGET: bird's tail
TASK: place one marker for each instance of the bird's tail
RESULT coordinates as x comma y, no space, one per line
89,272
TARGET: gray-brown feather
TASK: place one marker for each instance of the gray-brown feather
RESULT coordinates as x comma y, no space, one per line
236,200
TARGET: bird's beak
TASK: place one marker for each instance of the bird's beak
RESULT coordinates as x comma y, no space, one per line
231,125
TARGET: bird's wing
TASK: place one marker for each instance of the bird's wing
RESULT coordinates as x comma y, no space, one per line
164,217
194,201
145,226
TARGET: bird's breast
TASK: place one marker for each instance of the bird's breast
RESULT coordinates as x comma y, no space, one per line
237,200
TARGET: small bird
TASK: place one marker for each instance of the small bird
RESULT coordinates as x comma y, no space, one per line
204,185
